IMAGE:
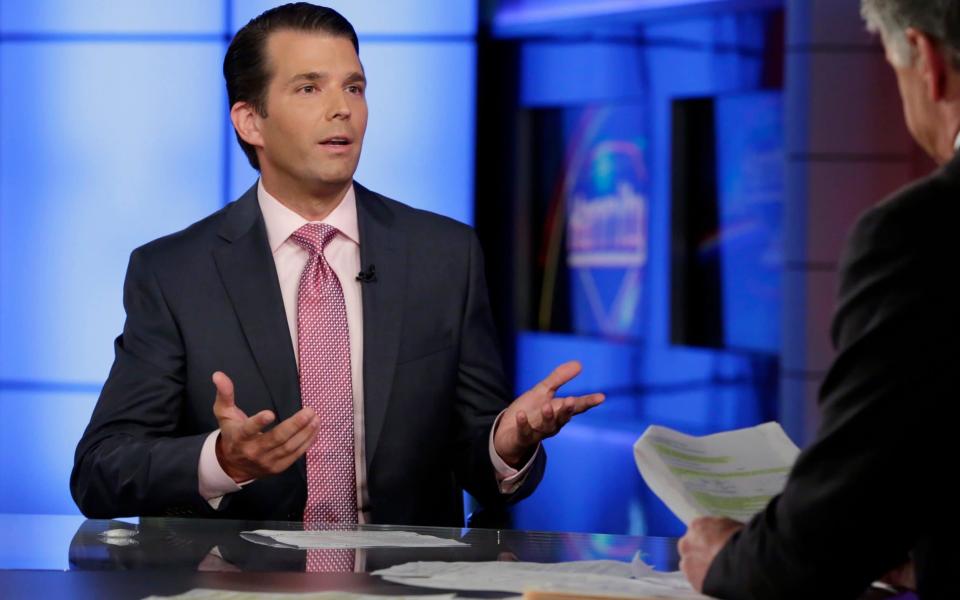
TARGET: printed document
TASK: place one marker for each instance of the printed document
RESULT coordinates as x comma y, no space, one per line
209,594
339,540
588,577
731,474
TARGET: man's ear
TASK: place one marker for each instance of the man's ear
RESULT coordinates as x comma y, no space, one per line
930,61
246,120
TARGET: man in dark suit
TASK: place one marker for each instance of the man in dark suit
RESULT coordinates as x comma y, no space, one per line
359,325
873,490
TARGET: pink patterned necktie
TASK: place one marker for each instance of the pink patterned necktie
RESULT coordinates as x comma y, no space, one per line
326,386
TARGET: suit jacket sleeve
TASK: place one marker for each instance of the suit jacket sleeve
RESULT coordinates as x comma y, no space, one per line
858,497
481,390
131,460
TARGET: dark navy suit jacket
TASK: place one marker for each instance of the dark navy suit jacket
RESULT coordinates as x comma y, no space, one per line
207,299
875,487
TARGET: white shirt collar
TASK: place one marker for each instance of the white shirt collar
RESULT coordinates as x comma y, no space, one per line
956,142
281,222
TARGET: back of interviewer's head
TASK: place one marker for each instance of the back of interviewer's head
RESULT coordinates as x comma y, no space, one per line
939,19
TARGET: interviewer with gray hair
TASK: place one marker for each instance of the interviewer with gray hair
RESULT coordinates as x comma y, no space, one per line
870,498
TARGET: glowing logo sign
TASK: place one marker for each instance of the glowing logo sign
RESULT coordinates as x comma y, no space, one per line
606,194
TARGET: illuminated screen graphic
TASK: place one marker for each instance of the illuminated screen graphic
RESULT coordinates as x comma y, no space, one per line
596,234
728,187
750,244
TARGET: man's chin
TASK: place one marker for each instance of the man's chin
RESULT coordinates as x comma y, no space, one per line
334,174
331,181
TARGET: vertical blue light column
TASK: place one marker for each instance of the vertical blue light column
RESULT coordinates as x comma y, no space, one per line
110,136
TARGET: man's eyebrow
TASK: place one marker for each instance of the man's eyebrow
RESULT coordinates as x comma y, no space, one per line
311,76
355,77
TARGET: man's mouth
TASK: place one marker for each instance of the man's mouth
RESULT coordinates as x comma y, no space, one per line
336,141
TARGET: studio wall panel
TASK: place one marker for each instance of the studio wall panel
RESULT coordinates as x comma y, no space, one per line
111,16
104,147
376,17
36,450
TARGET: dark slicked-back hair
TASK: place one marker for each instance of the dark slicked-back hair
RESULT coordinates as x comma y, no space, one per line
245,67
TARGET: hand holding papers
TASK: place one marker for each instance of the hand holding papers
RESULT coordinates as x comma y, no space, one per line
733,474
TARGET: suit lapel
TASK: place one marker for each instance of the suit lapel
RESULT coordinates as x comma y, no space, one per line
250,277
382,245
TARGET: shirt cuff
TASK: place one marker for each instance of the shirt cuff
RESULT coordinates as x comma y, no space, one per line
508,478
214,481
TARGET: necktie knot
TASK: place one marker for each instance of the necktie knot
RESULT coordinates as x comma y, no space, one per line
314,237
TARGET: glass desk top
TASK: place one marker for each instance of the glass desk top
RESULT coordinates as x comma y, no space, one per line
57,542
58,556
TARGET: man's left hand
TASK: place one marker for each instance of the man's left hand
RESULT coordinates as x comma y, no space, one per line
703,540
539,414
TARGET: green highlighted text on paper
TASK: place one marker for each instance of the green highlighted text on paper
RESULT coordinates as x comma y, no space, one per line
731,474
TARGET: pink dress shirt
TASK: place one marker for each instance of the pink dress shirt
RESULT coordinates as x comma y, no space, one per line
343,255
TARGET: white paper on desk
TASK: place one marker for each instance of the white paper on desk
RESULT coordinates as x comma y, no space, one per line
613,568
341,540
731,474
582,577
209,594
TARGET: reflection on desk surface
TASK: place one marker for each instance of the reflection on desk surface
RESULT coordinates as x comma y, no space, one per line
69,556
186,543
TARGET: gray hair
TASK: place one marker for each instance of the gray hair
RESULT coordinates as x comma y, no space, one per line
940,19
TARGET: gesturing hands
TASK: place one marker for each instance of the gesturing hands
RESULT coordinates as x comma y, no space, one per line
538,414
244,450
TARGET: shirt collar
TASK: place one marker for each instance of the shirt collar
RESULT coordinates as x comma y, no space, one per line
281,222
956,142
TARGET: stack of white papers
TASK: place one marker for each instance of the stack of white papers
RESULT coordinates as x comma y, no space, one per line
600,578
208,594
340,540
731,474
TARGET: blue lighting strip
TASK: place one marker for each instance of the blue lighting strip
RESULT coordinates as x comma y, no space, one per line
108,38
180,38
61,387
523,19
394,38
226,167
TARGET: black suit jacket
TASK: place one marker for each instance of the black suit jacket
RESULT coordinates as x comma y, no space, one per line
876,485
207,299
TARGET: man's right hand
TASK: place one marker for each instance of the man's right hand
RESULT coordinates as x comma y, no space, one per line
700,545
244,451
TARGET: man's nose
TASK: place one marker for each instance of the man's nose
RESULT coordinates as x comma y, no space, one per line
338,108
